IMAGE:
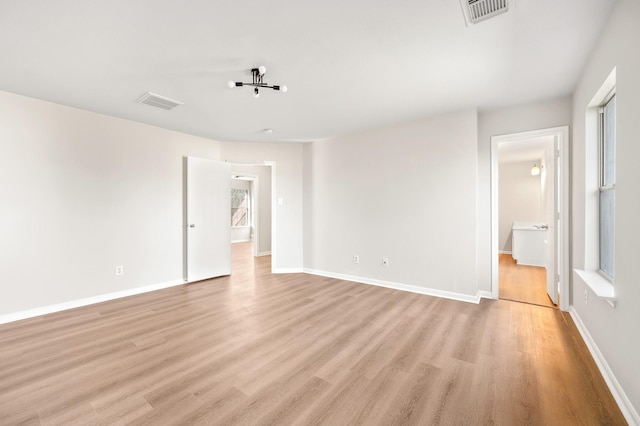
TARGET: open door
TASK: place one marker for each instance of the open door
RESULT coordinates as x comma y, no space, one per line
552,217
208,219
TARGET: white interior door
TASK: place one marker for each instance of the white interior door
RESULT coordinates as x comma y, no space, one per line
552,217
208,239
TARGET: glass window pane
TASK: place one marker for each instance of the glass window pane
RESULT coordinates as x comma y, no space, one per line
239,207
609,149
607,227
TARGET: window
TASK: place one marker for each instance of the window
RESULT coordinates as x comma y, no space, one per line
607,186
239,207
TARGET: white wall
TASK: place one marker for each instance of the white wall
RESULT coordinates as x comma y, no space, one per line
264,199
515,119
406,192
240,234
240,183
519,199
287,237
81,193
613,331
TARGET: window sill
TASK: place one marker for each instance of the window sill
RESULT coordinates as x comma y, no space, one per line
600,286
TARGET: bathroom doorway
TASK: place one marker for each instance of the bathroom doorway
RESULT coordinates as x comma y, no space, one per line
523,183
529,239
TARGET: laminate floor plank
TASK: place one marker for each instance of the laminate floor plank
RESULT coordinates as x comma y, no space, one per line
217,404
75,414
417,398
522,283
123,411
339,404
297,349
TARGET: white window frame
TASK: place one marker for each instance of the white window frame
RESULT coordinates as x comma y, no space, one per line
590,275
603,185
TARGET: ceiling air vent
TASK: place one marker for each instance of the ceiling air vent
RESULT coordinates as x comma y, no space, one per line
158,101
479,10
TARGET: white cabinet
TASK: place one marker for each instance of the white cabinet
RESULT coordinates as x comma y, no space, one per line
529,243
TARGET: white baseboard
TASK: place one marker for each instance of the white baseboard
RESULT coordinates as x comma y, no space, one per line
43,310
241,241
287,270
628,410
484,295
264,253
504,252
398,286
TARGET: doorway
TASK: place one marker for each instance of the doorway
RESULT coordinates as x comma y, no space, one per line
255,235
530,240
525,193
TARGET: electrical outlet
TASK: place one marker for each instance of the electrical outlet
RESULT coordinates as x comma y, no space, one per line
586,296
119,270
385,261
356,258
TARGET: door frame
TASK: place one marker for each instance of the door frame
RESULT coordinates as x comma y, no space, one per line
255,215
561,135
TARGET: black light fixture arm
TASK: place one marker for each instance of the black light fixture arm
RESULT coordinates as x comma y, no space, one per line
258,82
266,86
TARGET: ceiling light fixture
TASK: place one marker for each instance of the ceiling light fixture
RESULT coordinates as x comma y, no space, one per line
258,82
535,170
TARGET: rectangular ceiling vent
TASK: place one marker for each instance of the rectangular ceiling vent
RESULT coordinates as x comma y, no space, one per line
479,10
158,101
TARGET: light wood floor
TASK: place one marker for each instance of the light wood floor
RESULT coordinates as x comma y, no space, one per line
522,283
256,348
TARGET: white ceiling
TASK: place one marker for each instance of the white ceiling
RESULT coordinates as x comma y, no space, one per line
349,65
524,150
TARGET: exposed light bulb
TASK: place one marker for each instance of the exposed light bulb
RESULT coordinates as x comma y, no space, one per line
262,69
256,93
535,170
231,84
283,88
